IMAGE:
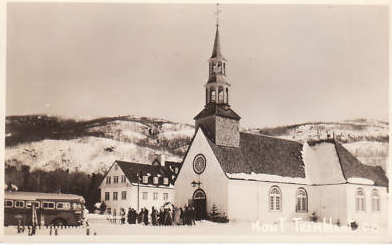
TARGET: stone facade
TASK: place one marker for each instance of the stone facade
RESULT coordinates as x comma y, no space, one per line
227,132
208,126
221,130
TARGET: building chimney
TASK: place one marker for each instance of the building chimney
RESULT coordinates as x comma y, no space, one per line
160,158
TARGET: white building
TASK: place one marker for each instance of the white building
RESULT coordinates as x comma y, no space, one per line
256,177
135,185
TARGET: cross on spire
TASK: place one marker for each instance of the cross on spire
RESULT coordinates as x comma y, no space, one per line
217,14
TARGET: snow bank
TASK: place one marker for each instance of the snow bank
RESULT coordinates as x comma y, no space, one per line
356,180
268,178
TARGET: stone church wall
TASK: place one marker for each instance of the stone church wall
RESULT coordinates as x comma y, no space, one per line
227,132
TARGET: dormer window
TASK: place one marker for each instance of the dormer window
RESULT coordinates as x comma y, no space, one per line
155,180
145,179
176,170
165,181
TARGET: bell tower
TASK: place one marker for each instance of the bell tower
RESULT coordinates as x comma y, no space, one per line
217,120
217,89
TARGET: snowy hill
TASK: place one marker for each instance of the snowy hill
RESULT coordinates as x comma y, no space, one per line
48,142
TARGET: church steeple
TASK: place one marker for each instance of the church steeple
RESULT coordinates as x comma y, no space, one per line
217,63
218,121
216,53
217,88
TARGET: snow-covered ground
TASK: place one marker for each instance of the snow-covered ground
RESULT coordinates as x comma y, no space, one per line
99,225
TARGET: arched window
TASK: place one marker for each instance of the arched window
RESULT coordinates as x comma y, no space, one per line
220,95
275,199
227,95
212,98
224,68
302,200
360,202
207,96
375,201
215,68
199,194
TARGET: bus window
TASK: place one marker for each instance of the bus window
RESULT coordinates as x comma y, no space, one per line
19,204
8,203
48,205
76,206
29,203
63,205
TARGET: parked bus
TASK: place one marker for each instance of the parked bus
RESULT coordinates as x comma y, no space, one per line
27,208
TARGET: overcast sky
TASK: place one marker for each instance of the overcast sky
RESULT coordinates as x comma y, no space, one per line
286,63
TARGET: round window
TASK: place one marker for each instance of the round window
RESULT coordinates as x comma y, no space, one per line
199,163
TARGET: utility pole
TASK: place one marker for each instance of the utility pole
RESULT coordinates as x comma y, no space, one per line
138,199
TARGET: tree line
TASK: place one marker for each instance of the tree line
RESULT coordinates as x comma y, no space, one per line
57,181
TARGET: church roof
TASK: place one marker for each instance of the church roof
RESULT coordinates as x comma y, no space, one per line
131,170
352,168
217,110
259,154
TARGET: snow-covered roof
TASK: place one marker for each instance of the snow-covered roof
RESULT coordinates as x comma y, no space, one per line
131,171
261,155
23,195
353,168
273,159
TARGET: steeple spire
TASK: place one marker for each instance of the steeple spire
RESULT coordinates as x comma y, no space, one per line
216,53
217,15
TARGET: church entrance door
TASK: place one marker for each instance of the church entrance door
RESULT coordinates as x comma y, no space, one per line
200,204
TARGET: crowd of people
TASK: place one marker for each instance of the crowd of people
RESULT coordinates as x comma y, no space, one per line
172,216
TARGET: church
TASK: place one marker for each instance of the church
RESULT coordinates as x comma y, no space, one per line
251,177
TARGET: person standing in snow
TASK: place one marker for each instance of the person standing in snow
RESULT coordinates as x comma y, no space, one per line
145,216
154,216
129,215
122,215
140,216
186,216
161,216
193,215
177,216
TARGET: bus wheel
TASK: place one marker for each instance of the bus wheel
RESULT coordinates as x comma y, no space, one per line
59,222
